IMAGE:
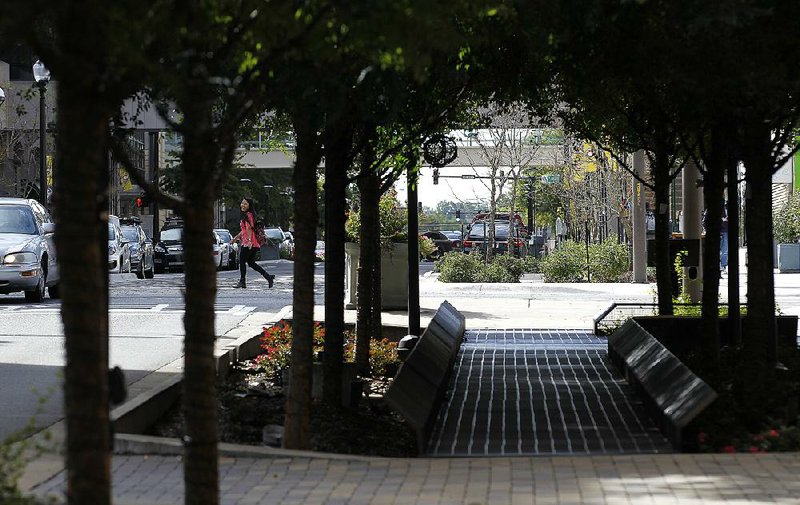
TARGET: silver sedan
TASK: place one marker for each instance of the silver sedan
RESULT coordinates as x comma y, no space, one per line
27,249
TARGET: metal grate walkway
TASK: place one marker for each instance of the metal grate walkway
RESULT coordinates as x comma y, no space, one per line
528,392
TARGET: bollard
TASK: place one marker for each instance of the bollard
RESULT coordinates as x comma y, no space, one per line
405,345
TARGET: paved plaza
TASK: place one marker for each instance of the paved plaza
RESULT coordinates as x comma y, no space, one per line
592,445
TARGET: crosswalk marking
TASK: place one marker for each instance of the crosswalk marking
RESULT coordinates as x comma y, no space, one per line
235,310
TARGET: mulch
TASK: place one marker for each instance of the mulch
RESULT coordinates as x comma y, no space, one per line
249,401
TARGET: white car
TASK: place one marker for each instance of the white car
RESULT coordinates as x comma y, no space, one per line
221,253
233,248
278,238
119,254
28,260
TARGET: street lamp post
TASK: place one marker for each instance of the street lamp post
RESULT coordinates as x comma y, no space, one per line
42,76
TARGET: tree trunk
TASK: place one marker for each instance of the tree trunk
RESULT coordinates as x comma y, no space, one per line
664,267
81,166
297,434
368,187
713,187
374,253
338,143
200,154
512,213
488,232
760,337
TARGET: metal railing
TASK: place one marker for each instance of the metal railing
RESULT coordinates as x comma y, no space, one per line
616,314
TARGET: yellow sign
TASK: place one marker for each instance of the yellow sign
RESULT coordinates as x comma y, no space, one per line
49,163
124,179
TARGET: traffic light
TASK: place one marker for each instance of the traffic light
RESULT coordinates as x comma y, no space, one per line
458,213
143,200
436,176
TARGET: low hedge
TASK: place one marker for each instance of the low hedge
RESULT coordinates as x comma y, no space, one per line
460,267
608,262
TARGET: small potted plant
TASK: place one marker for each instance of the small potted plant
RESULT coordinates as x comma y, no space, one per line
787,234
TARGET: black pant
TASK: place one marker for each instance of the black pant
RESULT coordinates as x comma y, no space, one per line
247,256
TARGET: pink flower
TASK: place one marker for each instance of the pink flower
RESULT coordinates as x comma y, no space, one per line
758,438
729,449
774,433
753,449
702,437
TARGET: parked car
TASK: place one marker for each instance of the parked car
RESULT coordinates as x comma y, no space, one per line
522,230
319,251
28,252
233,247
478,233
221,252
169,249
278,238
169,252
455,239
442,242
140,247
119,254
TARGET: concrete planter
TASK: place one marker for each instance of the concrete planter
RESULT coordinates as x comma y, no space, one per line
680,334
789,257
394,276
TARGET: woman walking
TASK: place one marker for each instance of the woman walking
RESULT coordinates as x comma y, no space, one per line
249,244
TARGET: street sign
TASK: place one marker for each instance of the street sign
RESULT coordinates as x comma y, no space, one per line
551,179
468,176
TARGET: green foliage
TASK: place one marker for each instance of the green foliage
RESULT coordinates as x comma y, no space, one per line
608,262
394,221
565,264
787,221
510,264
460,267
427,248
530,264
494,272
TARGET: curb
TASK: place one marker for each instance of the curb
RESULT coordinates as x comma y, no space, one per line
125,443
135,415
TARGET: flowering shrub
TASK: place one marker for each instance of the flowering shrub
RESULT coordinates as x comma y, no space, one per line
277,345
382,353
779,438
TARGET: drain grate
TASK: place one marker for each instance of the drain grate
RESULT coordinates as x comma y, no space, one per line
527,392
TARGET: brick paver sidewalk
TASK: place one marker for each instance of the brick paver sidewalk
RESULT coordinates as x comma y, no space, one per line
666,478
